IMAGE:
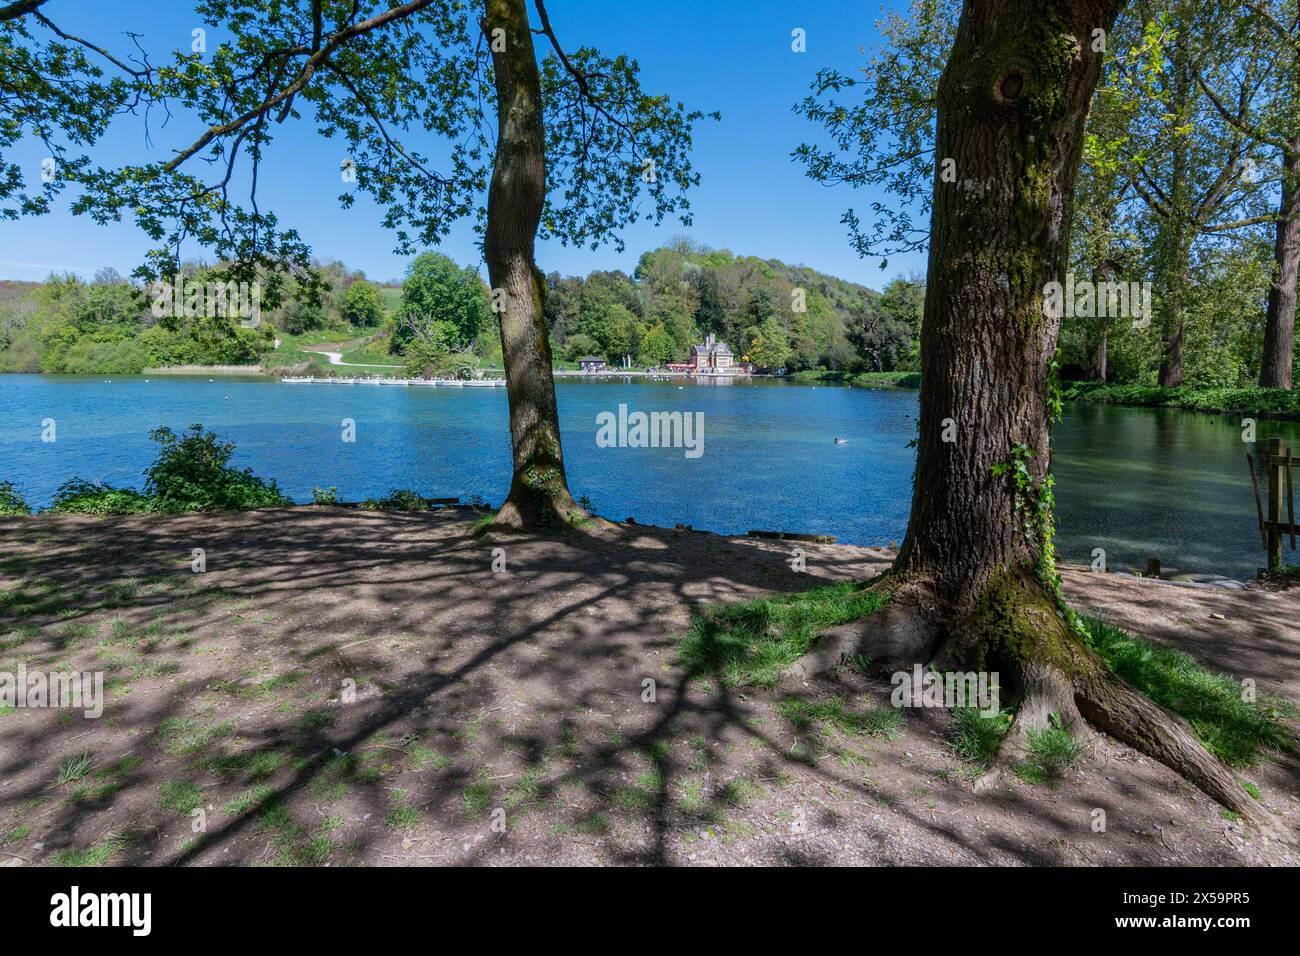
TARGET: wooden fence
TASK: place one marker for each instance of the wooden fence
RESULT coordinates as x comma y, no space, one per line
1279,463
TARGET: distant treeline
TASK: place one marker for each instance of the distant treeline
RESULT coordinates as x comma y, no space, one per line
770,313
107,325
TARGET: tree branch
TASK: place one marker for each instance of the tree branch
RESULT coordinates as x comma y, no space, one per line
286,95
19,8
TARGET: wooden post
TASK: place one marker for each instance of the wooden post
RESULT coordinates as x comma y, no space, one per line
1275,465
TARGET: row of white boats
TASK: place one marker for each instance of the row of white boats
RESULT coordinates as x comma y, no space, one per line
441,382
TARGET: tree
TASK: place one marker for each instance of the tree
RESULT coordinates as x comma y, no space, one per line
974,585
429,354
439,293
881,338
362,306
769,348
373,73
1276,27
1187,163
658,347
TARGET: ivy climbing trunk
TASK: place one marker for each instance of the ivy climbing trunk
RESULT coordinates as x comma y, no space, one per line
539,493
974,585
1279,330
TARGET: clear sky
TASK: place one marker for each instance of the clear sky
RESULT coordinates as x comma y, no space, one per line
725,55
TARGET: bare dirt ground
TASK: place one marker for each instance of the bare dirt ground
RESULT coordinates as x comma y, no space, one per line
347,687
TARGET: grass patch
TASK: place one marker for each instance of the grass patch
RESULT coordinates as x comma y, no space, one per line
832,714
89,793
423,758
74,769
248,800
403,818
1051,752
184,736
754,642
643,795
95,855
1237,731
976,738
476,798
292,844
181,796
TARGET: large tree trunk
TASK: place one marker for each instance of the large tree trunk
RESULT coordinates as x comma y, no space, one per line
1279,332
539,493
1011,109
974,587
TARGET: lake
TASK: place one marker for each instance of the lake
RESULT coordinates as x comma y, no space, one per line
1136,482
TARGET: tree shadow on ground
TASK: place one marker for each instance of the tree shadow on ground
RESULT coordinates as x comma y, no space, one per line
348,686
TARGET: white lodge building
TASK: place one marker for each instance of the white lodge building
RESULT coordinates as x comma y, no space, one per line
712,358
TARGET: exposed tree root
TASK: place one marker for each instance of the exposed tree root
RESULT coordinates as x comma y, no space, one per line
1046,671
1112,706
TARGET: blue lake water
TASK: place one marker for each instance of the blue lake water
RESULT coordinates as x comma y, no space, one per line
1136,482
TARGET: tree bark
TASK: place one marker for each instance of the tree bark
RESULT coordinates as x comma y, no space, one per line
1275,369
1103,273
539,493
974,585
1011,109
1174,243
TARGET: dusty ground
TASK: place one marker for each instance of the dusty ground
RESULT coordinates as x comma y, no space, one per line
516,699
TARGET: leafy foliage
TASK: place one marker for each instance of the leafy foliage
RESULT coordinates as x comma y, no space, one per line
78,496
362,305
682,292
440,301
11,501
192,473
381,78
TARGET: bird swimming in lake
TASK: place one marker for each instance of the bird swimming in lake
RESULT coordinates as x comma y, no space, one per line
841,441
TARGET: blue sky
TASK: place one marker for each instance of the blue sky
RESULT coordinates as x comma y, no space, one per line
725,55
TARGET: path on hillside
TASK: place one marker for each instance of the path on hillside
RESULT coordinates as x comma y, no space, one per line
336,358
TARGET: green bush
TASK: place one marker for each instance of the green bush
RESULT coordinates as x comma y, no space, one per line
325,496
11,502
192,474
123,357
81,497
400,499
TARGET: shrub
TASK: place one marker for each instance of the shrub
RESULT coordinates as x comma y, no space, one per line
11,502
193,473
82,497
400,499
325,496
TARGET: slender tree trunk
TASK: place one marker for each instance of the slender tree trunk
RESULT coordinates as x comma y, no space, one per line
539,494
1103,273
1174,243
974,587
1279,332
1097,357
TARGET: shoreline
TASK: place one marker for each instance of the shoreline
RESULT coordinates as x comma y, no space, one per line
1267,404
1276,404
